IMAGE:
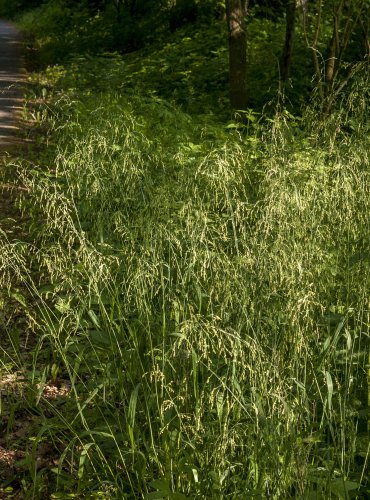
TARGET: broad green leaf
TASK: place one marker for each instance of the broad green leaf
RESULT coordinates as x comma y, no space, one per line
341,487
330,386
83,457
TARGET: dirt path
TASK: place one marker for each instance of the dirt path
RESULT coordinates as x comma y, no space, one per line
18,424
12,318
11,80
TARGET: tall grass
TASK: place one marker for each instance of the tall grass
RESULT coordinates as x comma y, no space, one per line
205,294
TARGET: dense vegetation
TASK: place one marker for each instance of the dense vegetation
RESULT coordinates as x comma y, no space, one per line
188,315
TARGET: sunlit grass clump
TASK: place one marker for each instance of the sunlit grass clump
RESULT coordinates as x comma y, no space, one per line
205,293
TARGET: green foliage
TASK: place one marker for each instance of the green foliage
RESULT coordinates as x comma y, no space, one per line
188,67
267,9
202,290
11,8
57,29
198,288
60,27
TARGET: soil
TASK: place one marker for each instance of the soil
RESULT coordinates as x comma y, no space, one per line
12,430
12,79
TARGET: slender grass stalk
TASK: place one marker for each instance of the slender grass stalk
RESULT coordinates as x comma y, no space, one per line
205,300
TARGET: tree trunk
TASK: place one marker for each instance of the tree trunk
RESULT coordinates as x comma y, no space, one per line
289,39
118,5
235,13
330,64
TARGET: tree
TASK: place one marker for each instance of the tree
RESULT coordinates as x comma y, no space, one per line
338,66
182,12
95,5
286,57
235,16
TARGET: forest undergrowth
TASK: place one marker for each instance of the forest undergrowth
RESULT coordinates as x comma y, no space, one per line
197,292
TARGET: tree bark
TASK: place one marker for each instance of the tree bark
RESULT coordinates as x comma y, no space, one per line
289,39
235,14
333,49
